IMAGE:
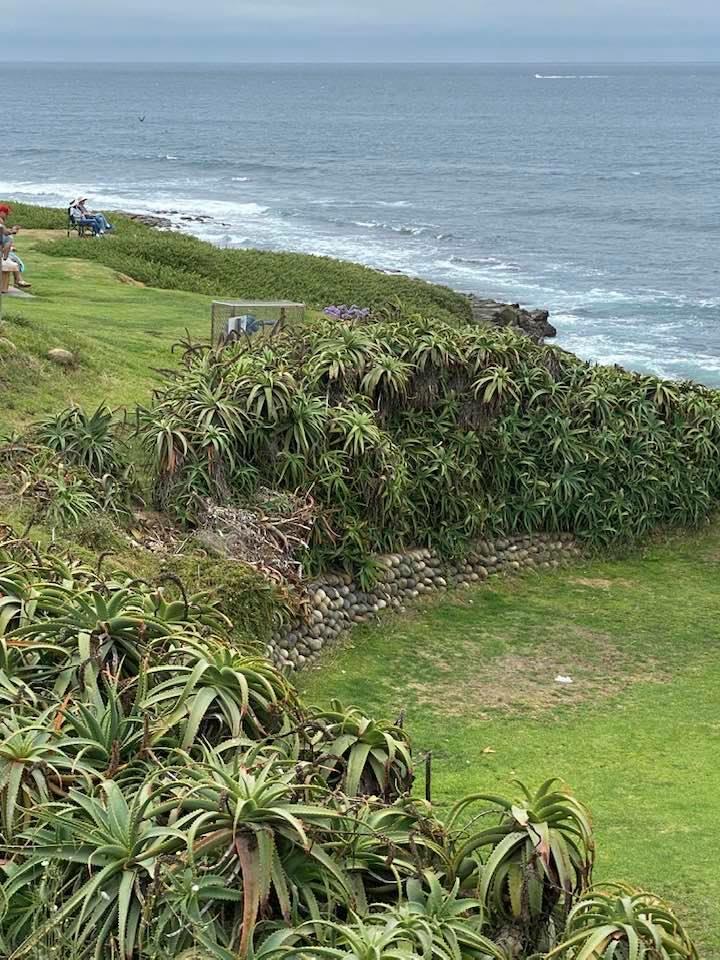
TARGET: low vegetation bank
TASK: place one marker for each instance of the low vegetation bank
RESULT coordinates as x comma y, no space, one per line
165,793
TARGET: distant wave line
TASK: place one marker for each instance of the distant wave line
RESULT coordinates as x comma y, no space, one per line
572,76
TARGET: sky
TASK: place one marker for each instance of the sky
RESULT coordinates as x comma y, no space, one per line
361,30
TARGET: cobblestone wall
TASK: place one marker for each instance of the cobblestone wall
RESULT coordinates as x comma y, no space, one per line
337,603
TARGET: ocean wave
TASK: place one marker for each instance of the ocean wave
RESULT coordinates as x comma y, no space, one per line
345,202
240,179
403,229
38,192
493,262
636,357
563,320
487,270
406,231
494,274
572,76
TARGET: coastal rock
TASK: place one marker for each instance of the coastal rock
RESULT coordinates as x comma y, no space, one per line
149,219
533,323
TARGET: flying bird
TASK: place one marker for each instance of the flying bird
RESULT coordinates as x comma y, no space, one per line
142,118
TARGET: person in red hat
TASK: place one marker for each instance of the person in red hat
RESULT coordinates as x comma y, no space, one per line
6,233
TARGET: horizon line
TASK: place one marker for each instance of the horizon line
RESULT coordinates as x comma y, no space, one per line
340,63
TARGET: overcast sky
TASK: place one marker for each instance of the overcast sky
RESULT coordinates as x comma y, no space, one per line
329,30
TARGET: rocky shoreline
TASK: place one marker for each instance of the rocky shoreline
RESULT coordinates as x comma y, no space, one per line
533,323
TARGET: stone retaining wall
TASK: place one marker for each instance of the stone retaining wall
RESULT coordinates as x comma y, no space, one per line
336,602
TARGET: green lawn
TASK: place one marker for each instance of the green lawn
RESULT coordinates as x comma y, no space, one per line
637,734
119,331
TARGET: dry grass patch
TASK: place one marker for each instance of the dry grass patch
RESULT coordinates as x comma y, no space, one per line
525,680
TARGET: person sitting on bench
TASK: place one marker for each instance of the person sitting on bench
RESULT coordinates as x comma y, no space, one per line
9,265
10,268
6,233
19,278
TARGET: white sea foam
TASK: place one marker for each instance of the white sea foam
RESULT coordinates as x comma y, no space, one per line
405,229
638,332
349,202
493,263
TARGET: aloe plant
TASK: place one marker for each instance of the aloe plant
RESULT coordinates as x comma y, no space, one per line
618,921
246,695
533,862
362,756
251,818
111,848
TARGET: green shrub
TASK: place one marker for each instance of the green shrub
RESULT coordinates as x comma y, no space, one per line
72,465
255,605
88,440
32,217
179,262
413,431
618,922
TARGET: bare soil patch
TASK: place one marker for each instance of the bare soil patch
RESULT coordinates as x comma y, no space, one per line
599,583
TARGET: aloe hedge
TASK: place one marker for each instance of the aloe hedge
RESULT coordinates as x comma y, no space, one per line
413,431
164,794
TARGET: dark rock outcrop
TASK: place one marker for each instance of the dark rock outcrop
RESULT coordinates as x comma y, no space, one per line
149,219
533,323
161,219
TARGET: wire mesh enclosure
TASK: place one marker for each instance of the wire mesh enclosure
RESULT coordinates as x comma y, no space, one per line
237,318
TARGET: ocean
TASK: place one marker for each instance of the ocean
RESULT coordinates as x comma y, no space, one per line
591,190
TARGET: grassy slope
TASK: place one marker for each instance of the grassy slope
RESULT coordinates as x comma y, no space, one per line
176,261
637,734
119,331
